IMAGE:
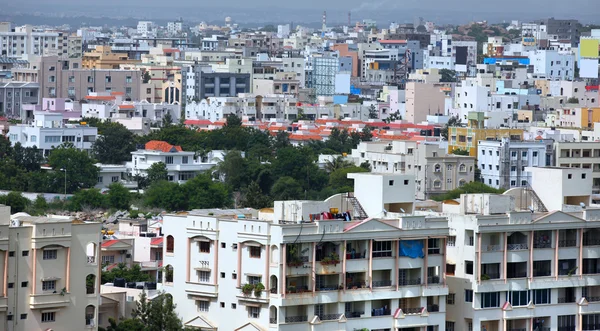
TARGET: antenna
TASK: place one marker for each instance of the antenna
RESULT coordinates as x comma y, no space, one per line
349,18
324,22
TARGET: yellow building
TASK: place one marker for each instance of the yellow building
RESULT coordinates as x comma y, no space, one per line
468,138
103,58
589,116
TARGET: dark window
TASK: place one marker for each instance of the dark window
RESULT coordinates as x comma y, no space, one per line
11,253
24,284
468,295
204,247
223,245
23,316
25,253
255,252
469,267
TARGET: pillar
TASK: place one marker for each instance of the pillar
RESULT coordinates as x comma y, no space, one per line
556,254
344,267
239,265
188,254
33,271
267,273
371,264
397,263
68,273
216,262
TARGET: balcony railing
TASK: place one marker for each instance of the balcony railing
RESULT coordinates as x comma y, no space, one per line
356,285
433,308
328,288
566,299
91,259
566,328
517,329
273,290
542,245
329,317
493,248
409,282
592,299
354,314
567,243
517,274
412,311
273,320
490,276
433,280
296,319
516,247
382,283
356,255
591,326
591,241
297,289
381,312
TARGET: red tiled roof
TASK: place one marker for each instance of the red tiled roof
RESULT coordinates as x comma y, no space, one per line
156,241
126,107
296,136
109,243
198,122
163,146
592,87
117,93
111,266
100,97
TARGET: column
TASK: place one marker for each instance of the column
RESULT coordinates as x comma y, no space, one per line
344,267
530,271
33,272
188,254
580,262
68,273
239,265
283,278
5,287
371,264
556,243
397,263
478,263
505,256
216,262
267,273
425,262
443,246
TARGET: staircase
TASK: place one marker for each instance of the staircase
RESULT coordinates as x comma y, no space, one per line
536,202
359,212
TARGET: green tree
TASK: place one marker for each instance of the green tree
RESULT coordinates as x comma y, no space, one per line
366,134
393,117
39,206
76,165
28,158
114,145
459,151
573,100
119,196
202,192
157,172
90,198
233,121
167,120
338,179
337,163
453,121
286,188
166,195
469,188
373,113
254,197
133,274
16,201
129,324
141,312
447,76
146,77
233,169
162,316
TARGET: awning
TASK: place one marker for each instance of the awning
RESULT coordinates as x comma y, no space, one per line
252,244
198,298
202,239
202,269
50,279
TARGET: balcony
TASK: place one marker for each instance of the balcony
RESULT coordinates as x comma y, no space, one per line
566,299
567,243
517,247
591,241
412,311
382,283
296,319
52,300
329,317
490,276
433,308
493,248
409,282
433,280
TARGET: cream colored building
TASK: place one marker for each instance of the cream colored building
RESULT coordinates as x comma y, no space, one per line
51,274
422,100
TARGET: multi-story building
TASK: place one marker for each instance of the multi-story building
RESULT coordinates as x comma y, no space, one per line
15,94
436,172
561,30
512,265
422,100
51,273
266,107
200,82
102,57
553,65
467,138
585,155
74,46
48,131
503,162
297,268
25,40
181,166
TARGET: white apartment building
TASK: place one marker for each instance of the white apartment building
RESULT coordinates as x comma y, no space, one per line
436,172
181,166
48,131
293,269
271,106
503,162
514,266
145,28
51,274
585,155
25,40
553,65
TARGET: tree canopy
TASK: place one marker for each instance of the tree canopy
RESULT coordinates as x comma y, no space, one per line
114,144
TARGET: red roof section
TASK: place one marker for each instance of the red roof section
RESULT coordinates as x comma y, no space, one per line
198,122
117,93
163,146
156,241
592,87
126,107
112,266
101,97
109,243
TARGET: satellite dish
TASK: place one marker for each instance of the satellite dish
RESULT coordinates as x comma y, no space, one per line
402,210
582,205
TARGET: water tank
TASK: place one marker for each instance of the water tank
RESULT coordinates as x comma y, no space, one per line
119,282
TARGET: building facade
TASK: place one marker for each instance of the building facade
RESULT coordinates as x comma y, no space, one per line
585,155
15,94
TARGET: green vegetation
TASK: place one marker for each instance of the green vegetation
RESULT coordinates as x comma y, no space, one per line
133,274
573,100
472,187
459,151
453,121
447,76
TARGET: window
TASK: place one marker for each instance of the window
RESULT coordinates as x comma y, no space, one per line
48,317
535,154
513,154
68,138
468,295
203,305
108,259
449,326
108,79
582,176
204,246
254,312
470,240
570,176
468,267
128,79
391,183
51,79
169,160
541,296
233,276
50,254
52,139
518,298
114,179
23,316
222,304
25,253
524,154
24,284
204,276
255,252
48,285
184,159
11,285
9,317
490,300
90,79
433,246
382,249
233,306
451,298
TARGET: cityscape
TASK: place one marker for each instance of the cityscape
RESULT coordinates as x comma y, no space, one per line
362,166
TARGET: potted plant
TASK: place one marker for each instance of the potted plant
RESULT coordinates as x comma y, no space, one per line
247,289
485,277
258,289
326,260
291,289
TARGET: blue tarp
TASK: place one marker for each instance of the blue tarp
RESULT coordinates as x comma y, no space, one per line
412,248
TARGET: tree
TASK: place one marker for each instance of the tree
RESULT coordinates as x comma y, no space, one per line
16,201
393,117
469,188
573,100
233,121
338,179
254,197
337,163
76,165
233,169
90,198
167,120
39,206
202,192
447,76
28,158
157,172
286,188
141,311
269,28
133,274
119,196
114,145
453,121
373,113
459,151
129,324
146,78
166,195
366,134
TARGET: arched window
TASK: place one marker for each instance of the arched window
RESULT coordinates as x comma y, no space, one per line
273,283
274,254
90,313
437,168
170,244
90,284
273,315
462,168
169,274
462,182
90,251
437,184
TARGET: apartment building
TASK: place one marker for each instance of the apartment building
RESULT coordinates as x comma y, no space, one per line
512,265
297,268
112,106
102,57
181,166
436,172
553,65
422,100
468,138
15,94
200,82
275,106
48,131
503,162
26,40
584,155
51,273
